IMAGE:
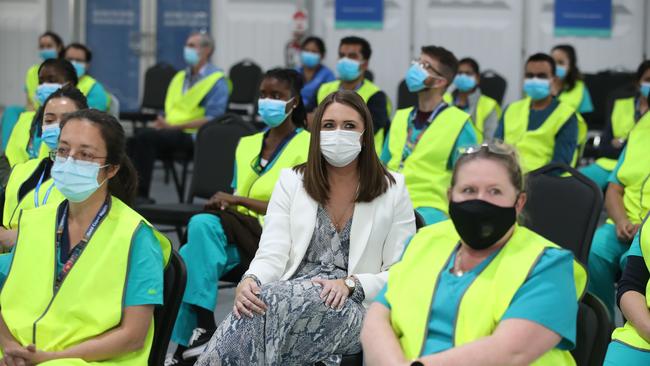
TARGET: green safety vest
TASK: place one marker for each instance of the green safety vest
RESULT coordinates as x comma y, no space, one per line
366,91
483,109
628,334
535,147
574,98
16,150
28,172
412,284
86,83
622,123
31,84
185,107
90,301
425,170
252,184
634,173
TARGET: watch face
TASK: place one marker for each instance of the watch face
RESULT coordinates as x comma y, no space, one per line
349,282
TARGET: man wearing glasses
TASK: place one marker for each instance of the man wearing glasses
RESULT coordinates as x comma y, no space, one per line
425,140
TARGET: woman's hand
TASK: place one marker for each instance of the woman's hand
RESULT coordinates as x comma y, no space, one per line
247,300
335,292
625,230
30,355
9,359
7,237
221,201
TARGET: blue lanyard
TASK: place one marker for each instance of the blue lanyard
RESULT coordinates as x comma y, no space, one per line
433,116
38,188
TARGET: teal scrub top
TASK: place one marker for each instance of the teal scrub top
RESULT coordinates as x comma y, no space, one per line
144,283
613,176
586,105
97,97
539,293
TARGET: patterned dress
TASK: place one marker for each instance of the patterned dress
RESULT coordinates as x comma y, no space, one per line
298,328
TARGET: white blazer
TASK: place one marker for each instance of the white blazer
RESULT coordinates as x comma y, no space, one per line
379,231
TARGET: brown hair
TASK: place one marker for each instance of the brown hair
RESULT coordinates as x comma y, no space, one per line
448,63
497,151
374,179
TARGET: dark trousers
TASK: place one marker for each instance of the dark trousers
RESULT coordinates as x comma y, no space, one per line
150,144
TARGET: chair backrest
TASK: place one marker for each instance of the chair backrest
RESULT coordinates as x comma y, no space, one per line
564,209
493,85
214,155
245,77
156,81
165,316
603,88
405,98
419,221
594,331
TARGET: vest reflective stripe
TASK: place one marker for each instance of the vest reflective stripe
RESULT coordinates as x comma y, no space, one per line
628,334
425,170
16,151
412,283
184,107
366,91
483,109
634,172
31,84
91,299
535,147
20,174
252,185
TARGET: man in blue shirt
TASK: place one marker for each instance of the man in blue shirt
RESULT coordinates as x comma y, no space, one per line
195,96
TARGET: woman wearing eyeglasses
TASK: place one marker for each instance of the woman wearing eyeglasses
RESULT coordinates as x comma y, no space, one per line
424,140
30,184
212,249
86,274
477,289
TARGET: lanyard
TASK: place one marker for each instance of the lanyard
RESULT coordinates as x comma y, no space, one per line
414,137
257,160
38,188
76,252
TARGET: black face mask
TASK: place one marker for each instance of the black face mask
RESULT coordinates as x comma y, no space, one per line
481,224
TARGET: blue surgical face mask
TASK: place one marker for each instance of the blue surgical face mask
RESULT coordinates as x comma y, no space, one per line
415,78
272,111
348,69
645,89
560,71
50,135
191,55
76,179
48,53
45,90
464,82
309,59
79,67
537,88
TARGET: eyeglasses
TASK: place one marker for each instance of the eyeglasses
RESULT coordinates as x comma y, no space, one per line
498,148
429,67
63,153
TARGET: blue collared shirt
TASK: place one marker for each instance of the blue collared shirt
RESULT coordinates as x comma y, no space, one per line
216,101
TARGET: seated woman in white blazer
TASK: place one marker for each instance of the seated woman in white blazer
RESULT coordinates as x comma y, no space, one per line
333,228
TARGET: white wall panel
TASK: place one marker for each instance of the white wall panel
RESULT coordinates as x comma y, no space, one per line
489,31
21,22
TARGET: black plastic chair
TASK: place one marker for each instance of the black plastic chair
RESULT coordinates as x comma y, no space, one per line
493,85
214,155
405,98
419,221
563,209
594,331
165,316
245,76
603,87
156,81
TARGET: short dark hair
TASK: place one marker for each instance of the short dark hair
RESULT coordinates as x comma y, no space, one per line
374,179
317,41
292,78
448,62
366,51
471,62
643,67
542,57
79,46
124,184
57,40
573,74
64,67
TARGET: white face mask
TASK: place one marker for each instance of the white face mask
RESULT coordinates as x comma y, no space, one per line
339,147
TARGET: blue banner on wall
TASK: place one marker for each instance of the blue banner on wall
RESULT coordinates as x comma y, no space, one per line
359,14
176,20
112,32
583,18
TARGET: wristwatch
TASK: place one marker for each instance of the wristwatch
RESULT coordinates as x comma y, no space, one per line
350,284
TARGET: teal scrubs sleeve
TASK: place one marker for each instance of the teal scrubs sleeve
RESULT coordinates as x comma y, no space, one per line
97,97
466,137
586,105
144,283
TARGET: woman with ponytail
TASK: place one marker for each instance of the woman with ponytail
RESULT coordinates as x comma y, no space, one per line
96,305
228,233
